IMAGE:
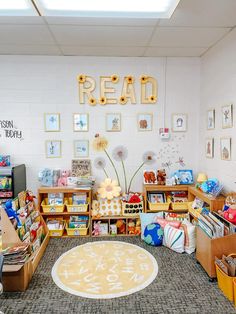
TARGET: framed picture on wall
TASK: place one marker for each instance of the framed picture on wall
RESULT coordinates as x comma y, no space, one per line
113,122
209,147
227,116
210,119
53,149
52,122
145,121
179,122
225,148
81,122
81,148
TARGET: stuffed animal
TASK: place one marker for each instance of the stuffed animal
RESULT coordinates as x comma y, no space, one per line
137,230
96,228
230,215
121,228
11,213
161,177
131,226
62,181
29,197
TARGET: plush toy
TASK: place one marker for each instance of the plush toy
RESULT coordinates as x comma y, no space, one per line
113,229
120,224
29,197
137,230
134,199
11,213
96,228
131,226
62,181
230,215
161,177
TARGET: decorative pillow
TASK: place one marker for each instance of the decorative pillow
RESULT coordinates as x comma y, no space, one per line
148,218
177,216
153,234
109,207
174,239
163,222
189,236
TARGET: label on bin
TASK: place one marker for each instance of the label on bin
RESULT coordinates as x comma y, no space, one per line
52,209
76,232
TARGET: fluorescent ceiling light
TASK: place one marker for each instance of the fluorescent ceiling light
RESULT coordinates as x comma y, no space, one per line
108,8
17,8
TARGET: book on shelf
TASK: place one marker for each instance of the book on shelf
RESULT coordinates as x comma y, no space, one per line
55,198
79,198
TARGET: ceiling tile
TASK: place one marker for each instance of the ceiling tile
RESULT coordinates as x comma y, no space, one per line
203,13
174,52
101,35
59,20
22,20
103,51
29,50
25,34
187,37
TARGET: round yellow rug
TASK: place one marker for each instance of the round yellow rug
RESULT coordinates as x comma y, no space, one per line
104,269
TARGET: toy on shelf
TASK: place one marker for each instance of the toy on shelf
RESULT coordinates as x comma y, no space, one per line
62,181
121,228
113,229
96,228
11,213
5,161
137,230
229,210
29,197
161,177
131,226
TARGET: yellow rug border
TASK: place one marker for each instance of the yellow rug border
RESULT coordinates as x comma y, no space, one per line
105,296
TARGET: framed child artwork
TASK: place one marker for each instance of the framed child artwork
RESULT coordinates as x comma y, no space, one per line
157,197
113,122
210,119
225,148
53,149
81,168
52,122
80,122
145,122
209,147
179,122
227,116
81,148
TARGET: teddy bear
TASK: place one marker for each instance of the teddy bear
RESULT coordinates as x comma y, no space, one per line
161,177
62,181
121,228
131,226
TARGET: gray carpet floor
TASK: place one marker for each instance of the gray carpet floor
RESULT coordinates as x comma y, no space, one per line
181,286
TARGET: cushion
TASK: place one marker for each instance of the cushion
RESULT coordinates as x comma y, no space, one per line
189,236
163,222
109,207
174,239
148,218
153,234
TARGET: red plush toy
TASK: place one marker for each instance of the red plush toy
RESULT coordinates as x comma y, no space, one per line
135,199
230,215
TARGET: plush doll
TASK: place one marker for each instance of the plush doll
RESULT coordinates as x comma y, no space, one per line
11,213
62,181
131,226
96,228
120,226
29,197
161,177
137,230
230,215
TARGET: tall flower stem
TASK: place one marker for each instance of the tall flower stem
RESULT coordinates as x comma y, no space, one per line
113,166
135,175
105,172
123,166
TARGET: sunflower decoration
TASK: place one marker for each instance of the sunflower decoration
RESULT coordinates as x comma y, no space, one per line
130,79
144,79
123,100
81,78
152,98
109,189
92,101
102,100
115,78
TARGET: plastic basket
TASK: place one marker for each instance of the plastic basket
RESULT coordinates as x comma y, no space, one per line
234,283
225,283
132,209
158,206
72,208
51,208
179,205
76,231
56,232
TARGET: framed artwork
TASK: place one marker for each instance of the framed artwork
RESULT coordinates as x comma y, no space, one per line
210,119
225,148
227,116
185,176
52,122
145,121
81,148
209,147
53,149
81,122
179,122
149,176
157,197
81,168
113,122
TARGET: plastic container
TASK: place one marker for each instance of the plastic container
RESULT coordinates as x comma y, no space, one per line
72,208
234,283
225,283
179,205
158,206
53,208
76,231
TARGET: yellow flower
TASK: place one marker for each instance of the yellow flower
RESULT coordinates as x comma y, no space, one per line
81,78
114,78
99,143
123,100
92,101
109,189
143,79
130,79
153,98
102,100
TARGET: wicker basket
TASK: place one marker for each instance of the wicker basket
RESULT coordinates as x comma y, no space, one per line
132,209
73,208
158,206
52,208
179,205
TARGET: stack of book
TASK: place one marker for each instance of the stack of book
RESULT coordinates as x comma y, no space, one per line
55,198
85,183
79,198
17,254
78,222
215,226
